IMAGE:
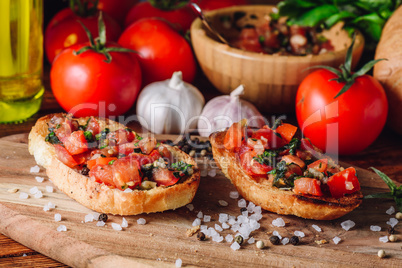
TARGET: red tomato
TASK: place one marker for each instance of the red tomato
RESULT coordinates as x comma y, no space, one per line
319,165
86,85
249,40
101,161
289,159
287,131
93,126
164,177
272,139
161,50
251,166
64,30
308,186
347,124
117,9
234,135
215,4
66,158
120,136
181,17
143,159
76,143
344,182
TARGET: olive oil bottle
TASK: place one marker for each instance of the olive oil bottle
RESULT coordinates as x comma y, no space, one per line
21,59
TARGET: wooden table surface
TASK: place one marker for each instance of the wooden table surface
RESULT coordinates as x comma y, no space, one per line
385,154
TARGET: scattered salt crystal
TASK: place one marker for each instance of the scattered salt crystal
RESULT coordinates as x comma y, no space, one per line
232,220
178,263
141,221
235,246
24,255
89,218
257,210
212,173
49,189
124,223
128,190
217,238
100,223
62,228
200,215
218,228
242,203
51,205
299,234
57,217
390,211
244,213
196,222
223,217
116,226
38,194
375,228
223,203
384,239
229,238
24,195
336,240
33,190
35,169
392,222
347,225
251,240
204,172
277,234
207,218
225,225
278,222
39,179
96,215
256,216
316,227
285,241
234,194
190,207
250,207
45,208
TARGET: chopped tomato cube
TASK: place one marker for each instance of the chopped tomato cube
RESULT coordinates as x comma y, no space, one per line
289,159
343,182
64,156
147,144
76,142
100,161
272,139
308,186
235,134
252,166
319,165
287,131
120,136
93,126
163,176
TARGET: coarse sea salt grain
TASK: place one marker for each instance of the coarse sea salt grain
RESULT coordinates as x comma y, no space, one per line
33,190
178,263
127,190
38,194
285,241
62,228
242,203
141,221
229,238
34,169
190,207
39,179
217,238
234,194
207,218
278,222
212,173
299,234
375,228
384,239
89,218
204,172
390,211
336,240
200,215
347,225
223,203
57,217
196,222
51,205
218,228
116,226
251,240
277,234
316,227
225,226
392,222
24,195
124,223
235,246
100,223
223,217
49,189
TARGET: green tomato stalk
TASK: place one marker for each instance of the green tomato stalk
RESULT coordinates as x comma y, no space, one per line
168,4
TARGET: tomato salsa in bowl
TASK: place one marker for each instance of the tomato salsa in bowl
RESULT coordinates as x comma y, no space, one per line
270,76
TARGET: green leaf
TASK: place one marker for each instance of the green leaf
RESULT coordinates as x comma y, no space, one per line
379,195
334,19
370,24
315,16
349,56
345,88
385,178
367,67
102,30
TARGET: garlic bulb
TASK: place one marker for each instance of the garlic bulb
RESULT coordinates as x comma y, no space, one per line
221,112
171,106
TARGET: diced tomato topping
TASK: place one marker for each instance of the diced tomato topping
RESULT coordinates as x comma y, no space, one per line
293,169
308,186
100,161
251,166
235,134
256,145
164,152
287,131
120,136
64,156
249,40
268,136
126,148
163,176
344,182
93,126
76,142
293,159
144,159
319,165
122,173
147,144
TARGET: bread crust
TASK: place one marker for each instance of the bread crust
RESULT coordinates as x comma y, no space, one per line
101,197
271,198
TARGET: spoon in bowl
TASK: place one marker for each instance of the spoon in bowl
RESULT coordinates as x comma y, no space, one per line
206,23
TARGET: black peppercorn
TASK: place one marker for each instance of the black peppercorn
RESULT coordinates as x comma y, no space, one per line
201,236
391,230
103,217
239,239
275,240
243,209
85,171
294,240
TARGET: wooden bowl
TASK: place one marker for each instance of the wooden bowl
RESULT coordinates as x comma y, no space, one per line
270,81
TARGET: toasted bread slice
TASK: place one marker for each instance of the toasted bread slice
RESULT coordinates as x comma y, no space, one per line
286,202
100,197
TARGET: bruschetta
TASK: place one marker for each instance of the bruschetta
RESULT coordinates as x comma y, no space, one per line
109,168
283,174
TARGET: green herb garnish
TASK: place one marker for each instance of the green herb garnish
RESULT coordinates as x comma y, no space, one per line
183,167
293,145
111,162
88,136
52,138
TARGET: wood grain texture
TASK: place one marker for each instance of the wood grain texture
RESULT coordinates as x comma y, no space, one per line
163,240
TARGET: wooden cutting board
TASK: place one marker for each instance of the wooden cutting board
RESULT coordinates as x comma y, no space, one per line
163,240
